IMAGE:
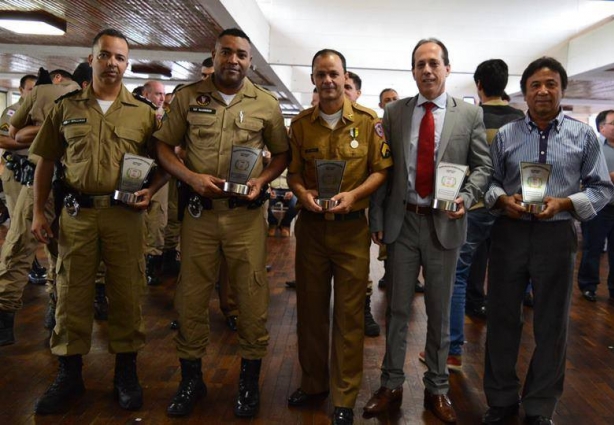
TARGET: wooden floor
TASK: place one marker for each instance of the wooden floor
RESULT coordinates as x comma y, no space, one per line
27,367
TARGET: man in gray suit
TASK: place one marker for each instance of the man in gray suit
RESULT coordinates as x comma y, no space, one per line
417,235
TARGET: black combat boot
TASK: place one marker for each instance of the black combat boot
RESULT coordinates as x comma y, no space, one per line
170,263
67,385
191,388
371,326
50,313
38,274
248,400
7,323
153,265
126,387
101,305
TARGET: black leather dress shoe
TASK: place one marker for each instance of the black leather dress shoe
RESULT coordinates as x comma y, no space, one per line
497,414
589,296
343,416
539,420
301,398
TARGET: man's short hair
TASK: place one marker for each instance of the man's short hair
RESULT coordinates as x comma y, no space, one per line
384,91
329,52
22,81
111,33
492,75
83,73
234,32
356,79
208,63
543,62
444,50
63,73
601,116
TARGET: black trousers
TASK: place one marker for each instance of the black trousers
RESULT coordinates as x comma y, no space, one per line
545,253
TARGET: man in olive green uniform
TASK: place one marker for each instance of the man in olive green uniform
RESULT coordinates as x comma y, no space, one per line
10,185
333,243
20,246
89,131
209,117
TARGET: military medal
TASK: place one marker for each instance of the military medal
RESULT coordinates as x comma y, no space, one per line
354,134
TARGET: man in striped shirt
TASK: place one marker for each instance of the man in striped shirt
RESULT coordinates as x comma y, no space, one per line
540,246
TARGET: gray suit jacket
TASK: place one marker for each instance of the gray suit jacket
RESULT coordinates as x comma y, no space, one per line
462,141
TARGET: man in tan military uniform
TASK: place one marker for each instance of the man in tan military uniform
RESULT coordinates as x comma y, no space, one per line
20,246
10,185
89,132
208,117
334,243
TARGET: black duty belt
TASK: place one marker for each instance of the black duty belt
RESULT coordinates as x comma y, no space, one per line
74,201
23,170
197,203
353,215
417,209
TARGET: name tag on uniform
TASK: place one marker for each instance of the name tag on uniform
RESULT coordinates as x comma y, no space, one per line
75,121
201,110
312,150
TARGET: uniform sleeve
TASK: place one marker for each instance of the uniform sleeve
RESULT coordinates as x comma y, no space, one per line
275,133
380,156
21,117
175,124
49,142
4,122
296,162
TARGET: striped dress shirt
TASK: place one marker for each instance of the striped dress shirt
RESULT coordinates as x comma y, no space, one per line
579,170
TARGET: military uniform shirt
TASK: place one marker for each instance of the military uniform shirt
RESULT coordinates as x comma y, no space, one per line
39,102
92,145
207,128
5,123
312,139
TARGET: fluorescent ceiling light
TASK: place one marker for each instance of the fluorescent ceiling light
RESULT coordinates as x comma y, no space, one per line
35,23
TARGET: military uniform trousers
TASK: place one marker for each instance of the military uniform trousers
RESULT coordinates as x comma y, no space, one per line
11,189
115,236
19,249
328,250
173,225
239,235
155,222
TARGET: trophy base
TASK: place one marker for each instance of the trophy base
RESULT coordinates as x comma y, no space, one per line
326,203
125,197
236,188
533,208
451,206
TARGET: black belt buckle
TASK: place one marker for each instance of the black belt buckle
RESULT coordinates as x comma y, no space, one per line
195,206
72,205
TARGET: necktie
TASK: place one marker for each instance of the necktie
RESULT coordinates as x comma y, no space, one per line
425,166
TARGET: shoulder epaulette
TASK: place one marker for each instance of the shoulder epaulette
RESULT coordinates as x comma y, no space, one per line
69,94
183,86
365,109
145,100
265,90
303,113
